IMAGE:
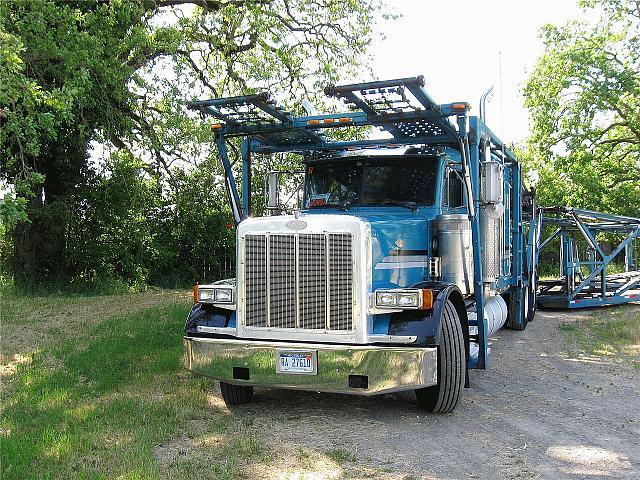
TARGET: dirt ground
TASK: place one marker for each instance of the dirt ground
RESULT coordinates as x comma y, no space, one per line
541,410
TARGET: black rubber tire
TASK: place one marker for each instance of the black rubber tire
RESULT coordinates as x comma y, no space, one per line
443,397
236,394
533,298
512,306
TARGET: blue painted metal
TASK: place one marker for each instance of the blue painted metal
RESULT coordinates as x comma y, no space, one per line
473,156
517,245
230,183
596,287
246,176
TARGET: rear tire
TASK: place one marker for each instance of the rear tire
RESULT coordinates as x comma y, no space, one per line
533,298
452,364
235,394
512,304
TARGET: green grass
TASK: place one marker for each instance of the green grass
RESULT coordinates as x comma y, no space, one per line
340,455
551,270
101,401
608,332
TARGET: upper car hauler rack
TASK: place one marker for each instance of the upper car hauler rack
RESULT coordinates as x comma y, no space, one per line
585,282
400,107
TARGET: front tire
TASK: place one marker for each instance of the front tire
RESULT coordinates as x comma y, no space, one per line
235,394
452,362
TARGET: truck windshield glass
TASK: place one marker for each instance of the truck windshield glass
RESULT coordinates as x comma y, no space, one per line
371,182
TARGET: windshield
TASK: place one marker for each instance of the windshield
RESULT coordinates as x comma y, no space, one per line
373,181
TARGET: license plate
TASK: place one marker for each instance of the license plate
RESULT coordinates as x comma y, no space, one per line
303,362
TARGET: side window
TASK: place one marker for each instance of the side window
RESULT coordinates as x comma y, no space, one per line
453,195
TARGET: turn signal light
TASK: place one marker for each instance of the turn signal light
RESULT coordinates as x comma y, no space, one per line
427,299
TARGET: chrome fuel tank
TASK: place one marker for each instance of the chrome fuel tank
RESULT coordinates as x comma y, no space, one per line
455,250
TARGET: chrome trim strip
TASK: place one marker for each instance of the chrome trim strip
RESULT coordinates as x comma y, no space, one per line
226,306
388,369
400,265
222,330
392,338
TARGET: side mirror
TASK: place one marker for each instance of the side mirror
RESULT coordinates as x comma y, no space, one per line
283,189
273,193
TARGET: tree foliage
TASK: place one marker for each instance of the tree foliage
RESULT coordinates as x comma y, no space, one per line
76,74
584,99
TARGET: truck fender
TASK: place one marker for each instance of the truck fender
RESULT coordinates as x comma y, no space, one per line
427,325
453,293
208,316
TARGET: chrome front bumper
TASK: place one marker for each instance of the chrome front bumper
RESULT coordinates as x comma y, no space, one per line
360,370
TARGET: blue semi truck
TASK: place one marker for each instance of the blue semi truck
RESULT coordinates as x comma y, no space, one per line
375,283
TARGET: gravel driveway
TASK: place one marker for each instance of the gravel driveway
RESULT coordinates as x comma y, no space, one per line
541,410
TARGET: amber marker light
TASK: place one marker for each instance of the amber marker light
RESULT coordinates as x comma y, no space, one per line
313,122
216,126
344,119
195,293
427,299
459,106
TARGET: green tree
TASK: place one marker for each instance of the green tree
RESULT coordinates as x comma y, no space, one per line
584,100
118,73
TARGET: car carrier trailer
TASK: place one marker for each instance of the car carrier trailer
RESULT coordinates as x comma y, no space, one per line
585,282
407,254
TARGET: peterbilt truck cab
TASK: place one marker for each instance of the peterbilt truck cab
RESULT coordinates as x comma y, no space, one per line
374,284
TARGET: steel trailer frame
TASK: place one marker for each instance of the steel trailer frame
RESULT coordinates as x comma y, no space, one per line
575,288
403,109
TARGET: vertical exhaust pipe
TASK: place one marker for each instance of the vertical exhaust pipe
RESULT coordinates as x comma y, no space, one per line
483,103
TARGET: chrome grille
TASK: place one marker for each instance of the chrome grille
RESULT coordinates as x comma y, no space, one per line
340,280
282,281
255,273
299,281
312,281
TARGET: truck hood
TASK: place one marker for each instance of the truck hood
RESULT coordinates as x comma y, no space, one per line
400,243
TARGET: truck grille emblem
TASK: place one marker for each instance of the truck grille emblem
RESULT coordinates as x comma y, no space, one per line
296,225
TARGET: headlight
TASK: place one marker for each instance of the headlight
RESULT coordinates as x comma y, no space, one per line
386,299
408,299
206,294
224,295
404,299
213,295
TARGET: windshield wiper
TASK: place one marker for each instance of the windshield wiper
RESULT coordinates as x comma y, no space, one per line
413,206
340,206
